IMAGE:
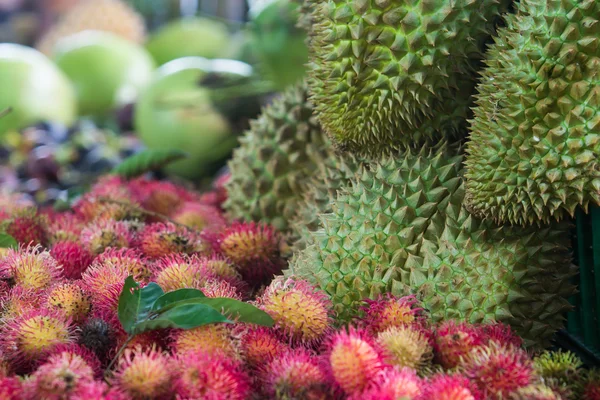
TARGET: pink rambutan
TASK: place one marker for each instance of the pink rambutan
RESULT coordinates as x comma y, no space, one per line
142,373
449,387
28,337
392,384
389,311
455,340
30,267
161,239
104,282
591,385
296,375
209,376
352,360
178,271
59,376
255,249
27,226
159,196
209,339
70,299
536,392
73,257
217,266
99,391
260,345
109,198
299,309
20,300
105,233
406,346
130,259
220,288
200,216
498,369
11,388
65,227
76,350
499,332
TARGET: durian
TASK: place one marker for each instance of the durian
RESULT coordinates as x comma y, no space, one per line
114,16
401,228
535,136
379,69
276,158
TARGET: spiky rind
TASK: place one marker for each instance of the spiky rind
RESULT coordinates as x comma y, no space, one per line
142,374
30,267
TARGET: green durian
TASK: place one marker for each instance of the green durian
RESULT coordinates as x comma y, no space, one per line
401,228
277,156
380,69
534,145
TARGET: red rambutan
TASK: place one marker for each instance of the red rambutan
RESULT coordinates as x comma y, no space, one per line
27,226
255,249
449,387
499,332
591,389
73,257
353,360
159,196
30,267
20,300
220,288
389,311
178,271
299,309
498,370
109,198
65,227
142,373
260,345
70,299
200,216
104,282
209,339
159,240
455,340
392,384
130,259
209,376
11,388
105,233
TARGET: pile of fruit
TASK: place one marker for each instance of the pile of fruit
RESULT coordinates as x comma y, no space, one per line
63,328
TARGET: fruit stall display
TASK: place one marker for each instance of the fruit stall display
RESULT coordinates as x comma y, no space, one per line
398,224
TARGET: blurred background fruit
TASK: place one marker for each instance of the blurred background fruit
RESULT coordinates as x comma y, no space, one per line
33,88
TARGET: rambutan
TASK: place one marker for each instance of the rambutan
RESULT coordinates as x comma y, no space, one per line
392,384
209,376
178,271
73,257
299,309
30,267
591,387
498,370
255,249
59,376
142,373
104,282
11,388
98,390
220,288
27,226
161,239
98,336
217,266
65,227
536,392
70,299
105,233
77,350
209,339
260,345
28,337
130,259
499,332
19,300
109,198
352,360
389,311
449,387
455,340
296,375
405,346
200,216
159,196
559,370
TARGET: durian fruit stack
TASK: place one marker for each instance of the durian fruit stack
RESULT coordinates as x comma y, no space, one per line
448,143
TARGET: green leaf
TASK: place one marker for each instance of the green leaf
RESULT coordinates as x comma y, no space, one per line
147,160
175,296
183,316
8,242
136,303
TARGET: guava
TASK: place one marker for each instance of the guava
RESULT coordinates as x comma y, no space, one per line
179,111
107,70
193,36
33,88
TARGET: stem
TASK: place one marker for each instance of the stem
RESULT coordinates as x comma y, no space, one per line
108,371
146,212
5,112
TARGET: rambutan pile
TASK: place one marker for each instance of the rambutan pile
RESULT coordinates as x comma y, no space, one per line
60,335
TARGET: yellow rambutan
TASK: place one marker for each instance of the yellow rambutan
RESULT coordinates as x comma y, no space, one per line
143,373
30,267
210,339
405,346
70,299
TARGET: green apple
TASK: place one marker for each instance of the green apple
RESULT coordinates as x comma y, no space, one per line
179,111
107,70
35,90
193,36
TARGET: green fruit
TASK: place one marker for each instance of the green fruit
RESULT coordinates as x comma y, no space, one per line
188,37
108,71
277,156
178,112
535,138
380,68
400,228
33,88
280,45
